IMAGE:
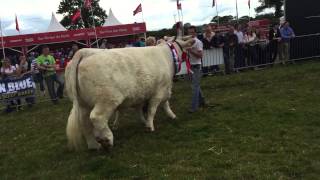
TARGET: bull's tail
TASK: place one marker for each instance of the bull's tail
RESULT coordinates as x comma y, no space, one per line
74,133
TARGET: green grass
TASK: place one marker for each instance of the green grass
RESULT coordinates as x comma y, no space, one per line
266,126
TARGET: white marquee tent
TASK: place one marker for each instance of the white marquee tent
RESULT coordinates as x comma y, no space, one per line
111,20
55,25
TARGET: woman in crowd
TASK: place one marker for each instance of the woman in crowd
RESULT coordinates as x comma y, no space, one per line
250,40
24,66
9,72
151,41
25,69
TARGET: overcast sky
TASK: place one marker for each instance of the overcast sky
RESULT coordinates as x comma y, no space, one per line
34,15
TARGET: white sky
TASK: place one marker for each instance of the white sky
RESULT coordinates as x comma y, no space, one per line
34,15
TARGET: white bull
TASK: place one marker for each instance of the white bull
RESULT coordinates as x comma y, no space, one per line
100,82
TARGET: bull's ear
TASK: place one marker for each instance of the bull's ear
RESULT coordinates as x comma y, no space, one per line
170,39
179,27
186,38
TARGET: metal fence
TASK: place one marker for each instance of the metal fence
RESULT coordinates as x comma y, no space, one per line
259,54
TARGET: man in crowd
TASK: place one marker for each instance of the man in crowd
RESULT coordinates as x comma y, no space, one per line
74,49
287,34
103,44
239,51
46,63
195,53
37,75
139,42
210,40
230,42
207,41
274,38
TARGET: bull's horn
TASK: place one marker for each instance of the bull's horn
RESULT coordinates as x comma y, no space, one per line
179,27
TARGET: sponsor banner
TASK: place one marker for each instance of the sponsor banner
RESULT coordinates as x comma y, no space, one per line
260,23
73,35
17,88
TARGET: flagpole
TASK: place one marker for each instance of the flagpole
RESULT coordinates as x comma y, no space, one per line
237,11
179,15
182,27
217,13
142,13
2,42
94,26
249,4
144,34
249,15
16,23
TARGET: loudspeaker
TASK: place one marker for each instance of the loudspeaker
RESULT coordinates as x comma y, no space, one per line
303,16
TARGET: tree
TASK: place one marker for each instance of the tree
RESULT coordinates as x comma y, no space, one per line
68,7
276,4
269,16
244,19
222,19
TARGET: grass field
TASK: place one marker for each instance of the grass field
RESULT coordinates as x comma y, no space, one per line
266,126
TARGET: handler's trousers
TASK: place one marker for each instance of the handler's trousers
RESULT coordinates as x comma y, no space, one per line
197,96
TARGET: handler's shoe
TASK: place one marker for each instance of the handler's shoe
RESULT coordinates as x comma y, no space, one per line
191,111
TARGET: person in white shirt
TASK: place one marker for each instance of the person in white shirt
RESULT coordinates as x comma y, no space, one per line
8,72
239,51
250,39
195,55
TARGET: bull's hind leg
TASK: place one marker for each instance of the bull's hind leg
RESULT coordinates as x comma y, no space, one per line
143,111
152,109
115,123
167,109
87,129
99,116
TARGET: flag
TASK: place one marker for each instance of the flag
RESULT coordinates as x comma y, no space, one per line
137,10
75,16
249,4
87,4
179,5
17,24
213,3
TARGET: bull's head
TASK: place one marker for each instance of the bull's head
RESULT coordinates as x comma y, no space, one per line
183,42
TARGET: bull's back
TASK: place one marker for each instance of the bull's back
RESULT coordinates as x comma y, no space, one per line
133,73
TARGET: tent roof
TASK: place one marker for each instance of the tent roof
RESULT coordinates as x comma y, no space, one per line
3,34
111,20
55,25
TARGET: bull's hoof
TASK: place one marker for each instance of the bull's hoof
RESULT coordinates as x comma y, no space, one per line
174,117
148,129
105,144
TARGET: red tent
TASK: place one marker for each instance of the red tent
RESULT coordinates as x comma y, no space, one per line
87,35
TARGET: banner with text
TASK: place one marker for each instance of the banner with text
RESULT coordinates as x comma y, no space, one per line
17,88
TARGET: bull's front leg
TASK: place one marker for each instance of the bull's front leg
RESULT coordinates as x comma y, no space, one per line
99,117
152,109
